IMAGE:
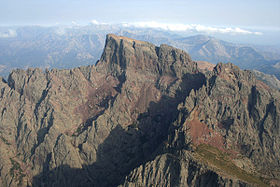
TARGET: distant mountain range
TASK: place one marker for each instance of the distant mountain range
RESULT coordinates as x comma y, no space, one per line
49,48
206,48
68,47
272,69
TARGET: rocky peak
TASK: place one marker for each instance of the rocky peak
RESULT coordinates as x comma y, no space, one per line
122,54
232,75
228,68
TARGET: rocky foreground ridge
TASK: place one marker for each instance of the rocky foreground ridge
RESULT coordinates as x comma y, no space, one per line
143,116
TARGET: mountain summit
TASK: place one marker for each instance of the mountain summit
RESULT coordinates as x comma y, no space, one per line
142,116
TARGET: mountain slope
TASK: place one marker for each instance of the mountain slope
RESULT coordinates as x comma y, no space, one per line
268,79
143,115
213,50
272,69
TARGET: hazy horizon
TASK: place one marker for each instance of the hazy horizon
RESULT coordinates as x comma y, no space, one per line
249,13
242,35
258,19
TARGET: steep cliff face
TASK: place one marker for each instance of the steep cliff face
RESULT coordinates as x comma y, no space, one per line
236,113
144,115
226,133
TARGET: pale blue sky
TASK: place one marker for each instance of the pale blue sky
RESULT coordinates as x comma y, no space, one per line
241,13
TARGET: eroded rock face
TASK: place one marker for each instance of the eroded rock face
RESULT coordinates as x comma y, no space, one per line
238,113
141,116
177,170
226,133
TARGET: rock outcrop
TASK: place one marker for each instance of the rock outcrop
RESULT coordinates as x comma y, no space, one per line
143,116
227,131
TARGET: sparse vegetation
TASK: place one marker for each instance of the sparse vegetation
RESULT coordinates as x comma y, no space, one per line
223,162
78,131
4,140
16,171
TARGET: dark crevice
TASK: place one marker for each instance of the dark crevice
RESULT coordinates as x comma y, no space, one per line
209,178
175,171
192,172
3,80
19,126
3,111
270,109
254,98
122,60
157,52
42,132
11,82
211,82
122,79
133,45
57,139
159,70
2,92
42,98
226,124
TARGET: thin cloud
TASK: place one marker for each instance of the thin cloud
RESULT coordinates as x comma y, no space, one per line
95,22
2,68
8,34
190,27
74,23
